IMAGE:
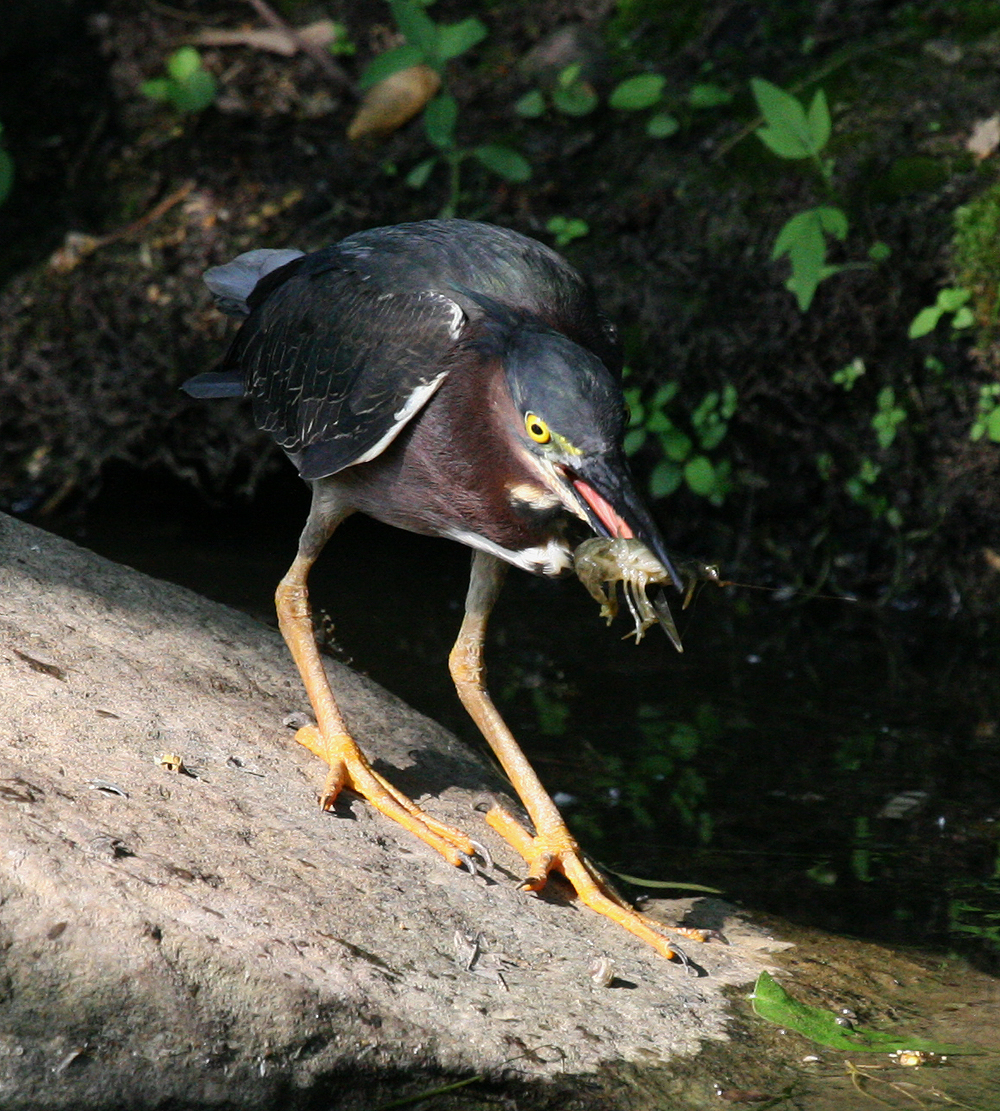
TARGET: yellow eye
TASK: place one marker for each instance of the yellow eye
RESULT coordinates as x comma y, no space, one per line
537,429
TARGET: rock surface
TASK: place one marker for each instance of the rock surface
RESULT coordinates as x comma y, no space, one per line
209,938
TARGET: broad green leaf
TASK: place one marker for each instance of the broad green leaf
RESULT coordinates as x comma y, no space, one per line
456,38
665,479
577,99
662,126
924,322
699,474
819,120
787,131
417,177
964,318
531,105
879,251
6,175
505,162
183,63
801,238
771,1001
392,61
658,421
440,117
417,27
708,96
636,93
711,435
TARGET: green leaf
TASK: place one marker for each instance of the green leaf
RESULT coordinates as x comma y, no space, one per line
676,444
993,425
183,63
531,105
636,93
156,89
6,175
664,394
440,117
577,99
708,96
699,474
392,61
665,479
879,251
964,318
801,238
417,177
504,162
194,94
635,438
771,1001
417,27
833,221
456,38
924,322
662,126
818,120
788,132
952,299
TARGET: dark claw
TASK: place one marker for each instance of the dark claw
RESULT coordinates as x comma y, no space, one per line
531,883
715,935
469,863
483,853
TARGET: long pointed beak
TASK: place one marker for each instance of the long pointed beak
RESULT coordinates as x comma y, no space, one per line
607,494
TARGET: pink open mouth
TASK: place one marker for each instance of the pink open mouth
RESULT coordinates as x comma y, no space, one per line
603,510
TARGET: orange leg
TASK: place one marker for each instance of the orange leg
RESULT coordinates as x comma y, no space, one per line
329,738
552,847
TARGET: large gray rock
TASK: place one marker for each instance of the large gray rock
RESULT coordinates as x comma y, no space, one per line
214,939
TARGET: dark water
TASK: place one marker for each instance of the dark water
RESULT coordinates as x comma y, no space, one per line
836,764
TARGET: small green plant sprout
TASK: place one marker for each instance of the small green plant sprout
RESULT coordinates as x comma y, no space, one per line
707,95
341,42
566,229
6,171
681,460
187,86
434,45
952,300
888,417
571,94
636,94
859,490
848,374
427,43
791,131
987,422
802,238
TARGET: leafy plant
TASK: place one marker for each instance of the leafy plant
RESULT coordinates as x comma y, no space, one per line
987,422
888,417
848,374
187,86
952,300
795,132
6,172
681,460
435,44
567,228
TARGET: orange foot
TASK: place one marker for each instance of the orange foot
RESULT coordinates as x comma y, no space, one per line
556,851
349,768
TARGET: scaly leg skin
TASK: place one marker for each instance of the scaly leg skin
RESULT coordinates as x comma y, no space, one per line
329,738
552,847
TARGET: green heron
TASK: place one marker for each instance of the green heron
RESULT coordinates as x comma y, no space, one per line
454,379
